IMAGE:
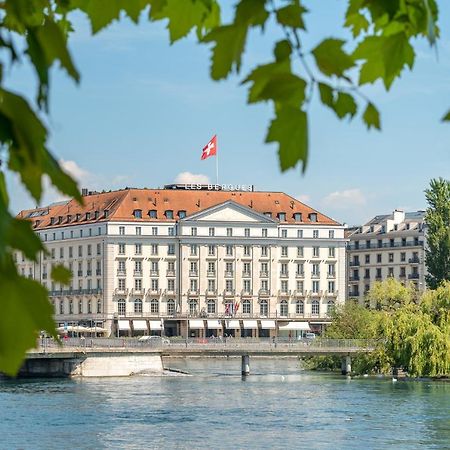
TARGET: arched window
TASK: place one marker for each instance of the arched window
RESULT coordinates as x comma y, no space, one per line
122,307
154,306
138,305
61,306
315,308
80,307
284,308
211,306
193,306
99,306
330,306
300,307
263,308
171,307
246,307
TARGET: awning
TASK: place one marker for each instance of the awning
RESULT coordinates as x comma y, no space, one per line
140,325
196,324
155,325
214,324
302,326
232,324
268,324
124,324
250,324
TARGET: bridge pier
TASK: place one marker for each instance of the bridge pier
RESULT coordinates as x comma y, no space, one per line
245,365
346,365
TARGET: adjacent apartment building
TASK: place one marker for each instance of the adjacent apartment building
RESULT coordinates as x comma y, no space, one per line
196,262
389,245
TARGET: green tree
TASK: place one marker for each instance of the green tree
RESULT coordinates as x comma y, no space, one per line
36,32
389,295
438,232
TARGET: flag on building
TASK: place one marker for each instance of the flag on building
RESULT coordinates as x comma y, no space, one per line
210,149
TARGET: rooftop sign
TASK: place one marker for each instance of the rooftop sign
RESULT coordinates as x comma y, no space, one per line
211,187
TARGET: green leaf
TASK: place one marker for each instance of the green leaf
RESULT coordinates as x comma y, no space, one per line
357,22
326,95
25,312
284,88
283,50
331,59
345,105
290,130
371,117
446,118
292,15
22,237
61,274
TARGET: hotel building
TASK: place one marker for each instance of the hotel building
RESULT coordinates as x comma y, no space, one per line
389,245
194,262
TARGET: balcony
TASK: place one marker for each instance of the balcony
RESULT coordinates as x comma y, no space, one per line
246,274
315,294
300,274
284,274
246,256
169,292
414,260
138,292
315,275
354,263
211,292
264,292
402,275
263,273
211,273
170,273
229,273
354,278
413,276
284,257
298,293
193,273
331,274
246,293
378,277
119,291
98,272
137,273
121,272
44,276
331,293
80,273
284,293
154,273
229,293
153,291
67,292
193,293
353,294
88,273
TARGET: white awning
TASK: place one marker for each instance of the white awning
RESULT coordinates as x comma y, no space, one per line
214,324
196,324
140,325
250,324
302,326
232,324
156,325
268,324
124,324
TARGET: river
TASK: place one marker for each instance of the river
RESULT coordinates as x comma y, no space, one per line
277,406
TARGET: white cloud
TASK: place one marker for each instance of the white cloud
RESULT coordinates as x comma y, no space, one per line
74,170
188,177
346,199
304,198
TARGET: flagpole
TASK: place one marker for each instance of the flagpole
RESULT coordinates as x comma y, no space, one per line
217,164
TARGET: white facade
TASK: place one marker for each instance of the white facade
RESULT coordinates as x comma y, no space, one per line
225,262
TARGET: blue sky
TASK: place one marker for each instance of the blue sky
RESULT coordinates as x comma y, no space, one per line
144,110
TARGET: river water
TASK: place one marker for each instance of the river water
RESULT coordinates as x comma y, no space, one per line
277,406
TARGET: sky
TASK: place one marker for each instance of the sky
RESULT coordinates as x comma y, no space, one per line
144,109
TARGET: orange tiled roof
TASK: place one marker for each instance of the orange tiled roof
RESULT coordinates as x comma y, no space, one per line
120,206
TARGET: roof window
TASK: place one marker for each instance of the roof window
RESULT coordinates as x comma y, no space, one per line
153,214
298,217
312,217
169,214
282,216
137,213
182,214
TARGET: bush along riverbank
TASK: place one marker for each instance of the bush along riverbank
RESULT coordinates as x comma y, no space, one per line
412,331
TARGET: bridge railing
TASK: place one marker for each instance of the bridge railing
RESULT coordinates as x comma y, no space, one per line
252,344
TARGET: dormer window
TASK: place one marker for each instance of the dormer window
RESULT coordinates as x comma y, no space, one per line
96,214
153,214
52,220
312,217
298,217
88,216
182,214
69,218
169,214
106,213
268,214
282,217
77,217
60,219
37,223
137,213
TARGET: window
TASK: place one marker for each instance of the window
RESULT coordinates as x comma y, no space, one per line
246,250
171,249
122,231
193,285
367,274
121,306
331,270
300,286
229,232
300,234
284,269
80,307
138,231
171,307
391,257
247,232
315,307
193,250
229,250
315,234
284,286
330,306
284,251
99,306
193,306
99,249
247,287
282,217
378,257
62,234
181,214
138,284
331,252
367,259
284,308
61,252
312,217
211,306
402,271
211,231
229,268
171,231
70,306
153,214
300,307
391,242
211,267
121,284
154,306
390,271
284,233
61,307
264,285
315,287
331,287
171,284
137,213
380,243
138,305
138,249
378,272
263,308
89,250
331,234
211,285
247,269
154,249
300,252
264,250
211,250
268,214
315,270
121,249
138,267
193,231
246,307
154,266
80,252
297,217
154,283
300,269
169,214
403,257
229,285
264,232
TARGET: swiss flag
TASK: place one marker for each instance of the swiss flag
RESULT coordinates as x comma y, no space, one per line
210,148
